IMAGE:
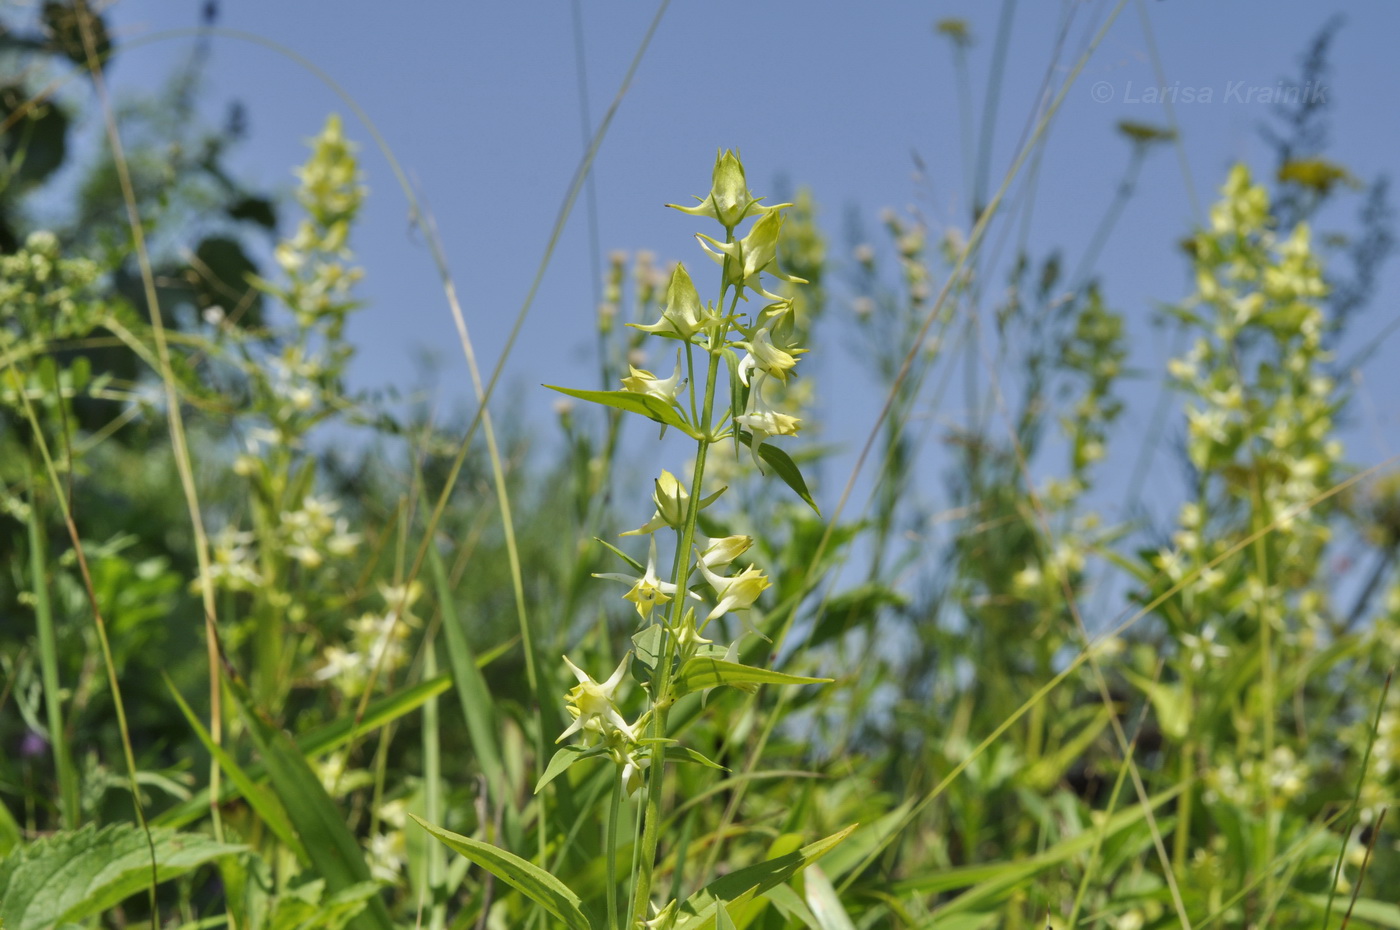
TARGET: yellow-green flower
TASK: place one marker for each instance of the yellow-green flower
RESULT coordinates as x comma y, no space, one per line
735,592
750,256
648,591
766,357
644,382
725,549
684,315
591,703
763,421
672,502
729,200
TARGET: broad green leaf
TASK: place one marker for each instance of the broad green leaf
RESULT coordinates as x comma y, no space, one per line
257,797
73,875
742,885
722,919
790,904
9,831
652,408
701,672
784,467
334,852
647,649
563,759
522,875
302,907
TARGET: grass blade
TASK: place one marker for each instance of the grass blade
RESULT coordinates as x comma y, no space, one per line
332,848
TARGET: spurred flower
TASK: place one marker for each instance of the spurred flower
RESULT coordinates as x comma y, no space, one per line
672,502
750,256
763,421
644,382
592,705
684,315
725,549
735,592
765,356
649,591
729,200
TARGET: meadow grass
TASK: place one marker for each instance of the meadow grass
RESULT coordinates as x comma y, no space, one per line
425,700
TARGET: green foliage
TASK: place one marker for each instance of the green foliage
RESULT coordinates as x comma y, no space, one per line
947,701
70,876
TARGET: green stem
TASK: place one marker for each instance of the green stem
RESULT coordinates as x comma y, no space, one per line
48,663
610,848
661,693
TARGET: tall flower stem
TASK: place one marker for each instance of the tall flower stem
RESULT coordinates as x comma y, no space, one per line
661,699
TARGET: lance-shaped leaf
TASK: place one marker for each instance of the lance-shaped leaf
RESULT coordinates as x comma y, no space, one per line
565,758
521,874
783,466
703,672
653,408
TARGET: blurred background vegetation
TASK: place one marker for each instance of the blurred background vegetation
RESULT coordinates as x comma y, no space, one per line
1180,719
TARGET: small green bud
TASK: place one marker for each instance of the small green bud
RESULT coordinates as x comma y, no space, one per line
684,315
729,202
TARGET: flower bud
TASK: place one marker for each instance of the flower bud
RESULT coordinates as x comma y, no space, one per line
684,315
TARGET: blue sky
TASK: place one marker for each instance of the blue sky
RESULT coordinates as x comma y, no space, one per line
481,104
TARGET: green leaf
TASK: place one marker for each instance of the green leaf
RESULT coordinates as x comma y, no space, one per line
702,672
73,875
332,848
9,831
563,759
636,566
257,797
321,740
784,467
524,876
648,647
1169,702
1379,913
478,707
742,885
722,919
869,837
653,408
302,907
826,906
683,754
994,882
